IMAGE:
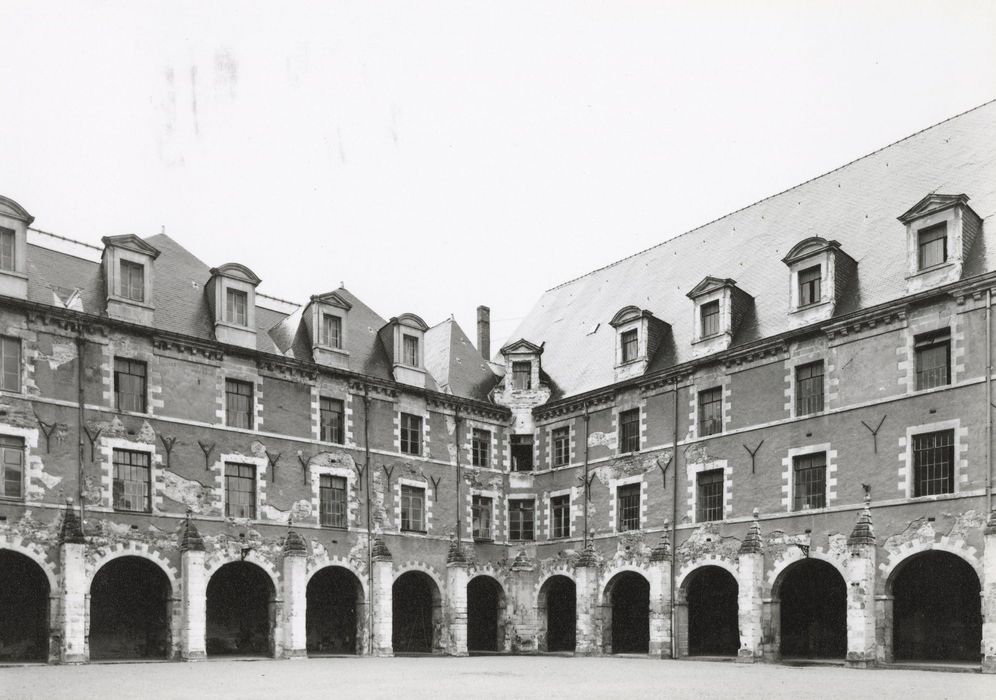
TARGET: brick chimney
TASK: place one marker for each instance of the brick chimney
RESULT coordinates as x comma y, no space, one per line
484,331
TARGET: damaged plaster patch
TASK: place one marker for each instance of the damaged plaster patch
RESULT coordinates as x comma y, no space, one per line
61,354
49,480
192,494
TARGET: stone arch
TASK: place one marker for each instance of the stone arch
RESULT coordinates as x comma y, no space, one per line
900,557
417,620
607,577
793,555
134,549
316,565
29,603
558,571
425,569
219,559
809,615
555,620
624,610
487,601
239,621
707,609
681,580
35,554
336,613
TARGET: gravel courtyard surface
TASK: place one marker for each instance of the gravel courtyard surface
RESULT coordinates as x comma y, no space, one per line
482,677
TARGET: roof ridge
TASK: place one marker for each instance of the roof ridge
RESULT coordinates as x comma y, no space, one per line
771,196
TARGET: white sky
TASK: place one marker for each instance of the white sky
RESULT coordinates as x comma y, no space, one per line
437,155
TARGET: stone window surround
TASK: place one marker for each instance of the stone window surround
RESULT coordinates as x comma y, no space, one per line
252,378
325,390
575,511
427,489
156,469
960,466
315,472
469,507
260,463
788,475
423,454
508,520
119,255
571,441
692,471
706,383
34,469
915,328
614,485
328,310
494,453
792,364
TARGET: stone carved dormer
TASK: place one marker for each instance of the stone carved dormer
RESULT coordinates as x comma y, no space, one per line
14,222
940,230
325,317
231,292
404,340
819,272
521,390
720,307
638,335
129,278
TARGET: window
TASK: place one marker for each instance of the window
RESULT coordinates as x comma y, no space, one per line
238,307
809,388
933,359
932,246
710,319
520,519
10,363
522,453
628,504
330,413
629,431
411,434
480,447
332,500
129,385
933,463
410,350
809,286
131,481
561,446
710,496
412,508
522,375
132,280
7,241
630,347
560,512
711,411
240,490
481,507
331,331
238,404
810,481
12,466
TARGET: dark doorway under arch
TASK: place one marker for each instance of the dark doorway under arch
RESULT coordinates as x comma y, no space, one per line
240,611
713,625
558,603
416,609
936,609
485,602
629,599
24,607
130,610
813,611
334,601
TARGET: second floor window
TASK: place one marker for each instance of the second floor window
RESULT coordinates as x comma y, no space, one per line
710,319
810,481
809,286
628,503
520,519
132,280
711,411
809,388
331,331
332,500
629,431
629,343
240,490
933,463
561,446
710,496
932,246
11,467
522,375
131,481
410,350
7,250
330,420
412,508
238,404
411,434
129,385
480,447
481,508
560,516
522,453
10,363
237,307
933,359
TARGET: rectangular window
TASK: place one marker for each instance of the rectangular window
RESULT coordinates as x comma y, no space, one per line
933,463
561,446
412,508
932,246
331,331
12,467
238,307
10,363
809,286
332,500
630,346
522,453
809,388
133,280
520,519
560,516
710,496
933,359
481,508
628,504
238,404
240,490
7,242
411,434
711,411
810,481
480,448
410,350
131,481
522,375
710,319
129,385
330,415
629,431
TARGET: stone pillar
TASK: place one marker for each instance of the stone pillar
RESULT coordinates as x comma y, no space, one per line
72,559
193,589
989,596
456,601
295,597
524,632
382,599
750,581
588,640
861,644
660,599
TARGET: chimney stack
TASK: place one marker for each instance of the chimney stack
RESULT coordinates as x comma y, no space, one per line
484,331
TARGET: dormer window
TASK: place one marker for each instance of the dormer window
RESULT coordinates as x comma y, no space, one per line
522,375
932,246
940,231
638,335
331,331
819,272
238,307
14,222
231,293
629,345
325,319
720,308
128,276
411,357
402,338
7,249
133,280
710,319
523,385
809,286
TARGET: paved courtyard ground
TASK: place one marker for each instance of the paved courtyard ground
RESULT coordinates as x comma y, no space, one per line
482,677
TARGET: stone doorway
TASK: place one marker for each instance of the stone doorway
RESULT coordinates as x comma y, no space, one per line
417,610
626,615
713,625
812,609
335,612
557,612
241,611
24,609
485,610
130,610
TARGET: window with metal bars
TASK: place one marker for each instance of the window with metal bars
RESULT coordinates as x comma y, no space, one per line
629,430
630,348
331,331
628,504
7,249
933,463
411,434
332,500
522,453
710,496
480,447
237,307
129,385
410,343
330,414
560,516
238,404
520,519
810,481
710,318
809,286
11,467
711,411
933,359
481,512
809,388
561,446
522,375
10,363
240,490
131,481
412,508
932,246
133,280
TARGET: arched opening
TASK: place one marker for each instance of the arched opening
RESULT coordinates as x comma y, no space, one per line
334,612
626,614
24,606
417,610
713,626
936,609
813,611
130,610
485,608
240,611
558,614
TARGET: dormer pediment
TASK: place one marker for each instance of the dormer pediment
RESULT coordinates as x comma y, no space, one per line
128,278
231,293
403,338
236,271
332,299
130,241
412,321
10,208
14,222
638,335
932,203
808,247
720,306
710,284
522,346
628,314
819,272
940,231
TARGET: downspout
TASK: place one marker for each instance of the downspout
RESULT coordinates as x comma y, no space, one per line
459,478
989,397
587,419
81,469
366,477
674,527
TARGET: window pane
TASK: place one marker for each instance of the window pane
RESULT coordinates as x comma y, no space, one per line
561,446
522,453
411,350
810,481
480,447
629,345
481,513
561,515
809,388
129,385
7,258
411,434
520,515
131,480
332,500
238,302
629,507
331,331
238,404
933,463
11,467
629,431
933,245
710,495
412,508
240,490
710,319
10,364
331,420
711,411
132,280
809,286
522,375
933,360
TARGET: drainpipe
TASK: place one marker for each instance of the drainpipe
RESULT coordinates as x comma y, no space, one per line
587,419
366,478
459,478
674,527
81,469
989,397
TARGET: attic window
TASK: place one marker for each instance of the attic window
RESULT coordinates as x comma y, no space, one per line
710,319
522,375
809,286
410,350
932,245
628,341
331,331
6,249
133,280
238,304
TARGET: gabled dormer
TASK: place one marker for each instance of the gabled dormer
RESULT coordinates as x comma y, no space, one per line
325,318
231,293
940,230
819,271
638,335
404,340
14,222
720,306
522,386
128,277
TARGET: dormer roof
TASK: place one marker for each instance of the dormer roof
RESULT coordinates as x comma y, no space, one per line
710,284
808,247
931,203
332,299
130,241
522,346
409,319
236,271
627,314
12,209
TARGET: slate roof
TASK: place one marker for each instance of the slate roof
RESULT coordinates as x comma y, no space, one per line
857,204
455,364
